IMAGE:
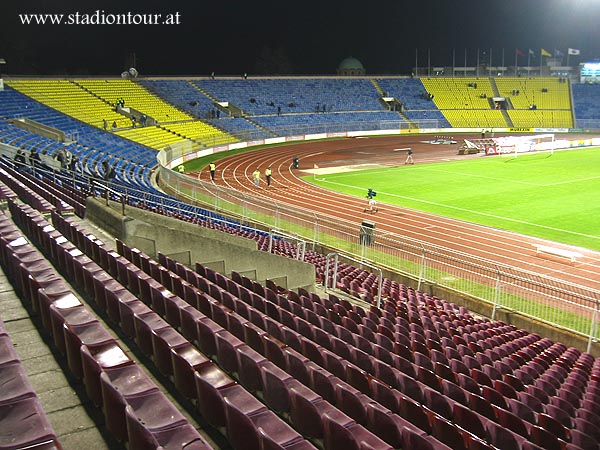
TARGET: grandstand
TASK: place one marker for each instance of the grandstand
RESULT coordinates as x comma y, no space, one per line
172,355
135,96
68,97
527,103
93,102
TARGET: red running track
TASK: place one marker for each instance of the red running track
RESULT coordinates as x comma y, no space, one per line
481,241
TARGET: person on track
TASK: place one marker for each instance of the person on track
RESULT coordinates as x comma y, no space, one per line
256,177
372,207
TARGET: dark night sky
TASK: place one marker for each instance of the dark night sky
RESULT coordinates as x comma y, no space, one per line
306,37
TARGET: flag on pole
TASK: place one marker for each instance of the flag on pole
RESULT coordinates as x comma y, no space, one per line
573,51
558,53
545,53
520,52
531,52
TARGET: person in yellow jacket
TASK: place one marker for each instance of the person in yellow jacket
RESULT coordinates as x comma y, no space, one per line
268,173
213,168
256,177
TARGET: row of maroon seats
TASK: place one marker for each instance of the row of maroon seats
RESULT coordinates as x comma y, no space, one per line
63,202
224,403
477,387
337,392
142,415
325,352
23,422
25,193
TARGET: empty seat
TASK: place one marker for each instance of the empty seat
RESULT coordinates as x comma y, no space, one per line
521,410
448,433
243,426
386,425
544,438
14,384
277,386
116,385
414,413
96,359
500,437
512,422
24,425
186,360
469,420
339,435
149,412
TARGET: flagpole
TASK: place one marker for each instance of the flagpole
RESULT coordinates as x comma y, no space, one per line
502,60
465,67
417,62
516,61
541,60
428,62
528,59
490,64
477,68
453,61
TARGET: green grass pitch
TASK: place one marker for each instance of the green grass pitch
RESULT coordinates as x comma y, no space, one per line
551,196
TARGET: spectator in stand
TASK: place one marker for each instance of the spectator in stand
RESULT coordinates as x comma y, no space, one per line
109,170
73,164
34,158
61,157
20,157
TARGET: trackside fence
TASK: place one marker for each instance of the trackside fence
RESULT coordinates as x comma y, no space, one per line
569,306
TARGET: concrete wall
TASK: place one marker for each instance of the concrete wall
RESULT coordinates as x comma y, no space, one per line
188,243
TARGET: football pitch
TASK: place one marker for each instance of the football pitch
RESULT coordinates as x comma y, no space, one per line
554,196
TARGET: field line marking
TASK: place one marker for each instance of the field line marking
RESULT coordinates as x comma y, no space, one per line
573,181
493,216
505,180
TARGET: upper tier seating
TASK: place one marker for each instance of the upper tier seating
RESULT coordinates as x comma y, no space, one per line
320,123
416,105
14,104
134,96
545,93
259,97
69,98
586,99
180,124
183,94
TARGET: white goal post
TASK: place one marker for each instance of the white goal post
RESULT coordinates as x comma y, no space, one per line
525,144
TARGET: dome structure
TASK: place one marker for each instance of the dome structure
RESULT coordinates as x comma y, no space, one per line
350,66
